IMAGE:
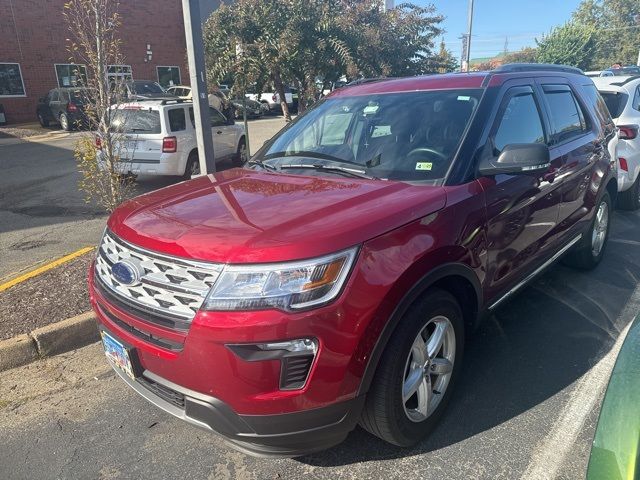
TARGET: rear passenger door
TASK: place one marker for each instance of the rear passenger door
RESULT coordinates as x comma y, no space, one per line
522,210
575,142
54,104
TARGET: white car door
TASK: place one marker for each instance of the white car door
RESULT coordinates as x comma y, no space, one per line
224,135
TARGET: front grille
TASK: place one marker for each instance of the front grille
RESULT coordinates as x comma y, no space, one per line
167,394
169,287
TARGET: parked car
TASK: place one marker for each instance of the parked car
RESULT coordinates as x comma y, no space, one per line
614,454
159,138
270,99
254,109
142,89
181,91
622,71
599,73
622,96
64,105
335,279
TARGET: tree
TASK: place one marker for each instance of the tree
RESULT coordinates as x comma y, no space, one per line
526,55
94,42
569,44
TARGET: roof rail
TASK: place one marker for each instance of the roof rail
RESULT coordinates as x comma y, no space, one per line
625,81
169,100
537,67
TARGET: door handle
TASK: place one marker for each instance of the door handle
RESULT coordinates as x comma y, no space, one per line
219,132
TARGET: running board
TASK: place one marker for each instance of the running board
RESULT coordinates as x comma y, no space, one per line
532,275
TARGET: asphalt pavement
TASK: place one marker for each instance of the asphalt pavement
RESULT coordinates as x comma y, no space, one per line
42,213
526,405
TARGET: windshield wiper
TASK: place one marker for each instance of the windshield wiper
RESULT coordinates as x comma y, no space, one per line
312,154
260,163
329,168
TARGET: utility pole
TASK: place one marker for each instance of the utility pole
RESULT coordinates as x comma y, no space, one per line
195,55
467,53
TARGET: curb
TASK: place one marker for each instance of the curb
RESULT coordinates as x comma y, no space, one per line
59,337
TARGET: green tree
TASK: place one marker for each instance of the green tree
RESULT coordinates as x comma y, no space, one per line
526,55
569,44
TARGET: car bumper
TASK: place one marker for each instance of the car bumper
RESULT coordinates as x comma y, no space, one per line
162,164
243,400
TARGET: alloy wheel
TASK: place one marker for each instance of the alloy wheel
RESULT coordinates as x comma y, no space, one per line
428,368
600,227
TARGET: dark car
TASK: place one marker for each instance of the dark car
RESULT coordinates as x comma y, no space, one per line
65,106
141,89
254,109
335,279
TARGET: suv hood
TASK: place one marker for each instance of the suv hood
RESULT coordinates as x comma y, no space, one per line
242,216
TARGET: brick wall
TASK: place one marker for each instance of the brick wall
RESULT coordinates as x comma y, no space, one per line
33,33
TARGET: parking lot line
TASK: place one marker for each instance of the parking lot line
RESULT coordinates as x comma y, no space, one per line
44,268
548,458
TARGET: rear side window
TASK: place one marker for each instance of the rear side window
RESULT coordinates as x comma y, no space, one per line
520,123
636,99
136,121
177,120
567,118
615,102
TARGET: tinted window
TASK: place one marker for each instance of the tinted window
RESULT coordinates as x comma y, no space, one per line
566,117
615,102
520,123
146,88
401,136
136,121
177,120
217,119
636,99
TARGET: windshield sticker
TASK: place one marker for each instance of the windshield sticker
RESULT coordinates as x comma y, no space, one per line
424,166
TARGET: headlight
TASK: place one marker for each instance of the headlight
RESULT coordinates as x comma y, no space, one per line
286,286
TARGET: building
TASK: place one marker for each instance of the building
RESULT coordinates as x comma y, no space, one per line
34,56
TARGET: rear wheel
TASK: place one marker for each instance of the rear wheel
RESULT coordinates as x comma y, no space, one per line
590,250
417,372
630,199
241,155
193,166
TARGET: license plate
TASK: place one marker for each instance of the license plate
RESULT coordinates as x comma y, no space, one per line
130,146
117,354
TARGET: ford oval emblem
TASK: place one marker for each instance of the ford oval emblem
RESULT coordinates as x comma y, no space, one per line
125,272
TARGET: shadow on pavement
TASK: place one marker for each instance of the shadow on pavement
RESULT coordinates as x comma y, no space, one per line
533,347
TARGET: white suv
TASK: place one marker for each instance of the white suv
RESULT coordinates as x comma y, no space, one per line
622,96
160,137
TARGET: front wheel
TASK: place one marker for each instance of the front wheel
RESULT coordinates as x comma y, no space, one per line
44,122
589,251
630,199
417,372
242,154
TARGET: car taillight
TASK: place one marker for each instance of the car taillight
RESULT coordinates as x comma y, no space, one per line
98,143
72,107
627,132
169,145
623,164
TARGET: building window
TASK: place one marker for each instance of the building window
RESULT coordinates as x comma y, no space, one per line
168,76
70,75
119,73
11,84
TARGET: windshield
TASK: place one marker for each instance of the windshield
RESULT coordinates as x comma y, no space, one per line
127,120
409,136
615,102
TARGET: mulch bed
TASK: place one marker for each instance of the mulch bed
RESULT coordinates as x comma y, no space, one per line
9,132
50,297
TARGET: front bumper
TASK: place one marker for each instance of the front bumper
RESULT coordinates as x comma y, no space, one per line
283,435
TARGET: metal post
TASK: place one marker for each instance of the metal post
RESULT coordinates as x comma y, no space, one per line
467,54
246,125
195,55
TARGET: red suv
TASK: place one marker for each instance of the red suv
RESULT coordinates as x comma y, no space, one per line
333,280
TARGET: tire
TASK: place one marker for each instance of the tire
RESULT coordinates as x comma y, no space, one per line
192,167
240,157
44,122
588,253
64,122
386,414
630,199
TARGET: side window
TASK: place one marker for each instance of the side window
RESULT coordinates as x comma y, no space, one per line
520,123
636,99
55,96
601,107
192,117
567,118
177,120
217,119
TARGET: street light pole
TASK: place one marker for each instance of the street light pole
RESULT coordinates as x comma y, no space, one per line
195,55
467,53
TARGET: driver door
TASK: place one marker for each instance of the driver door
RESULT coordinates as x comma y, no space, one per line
522,210
224,136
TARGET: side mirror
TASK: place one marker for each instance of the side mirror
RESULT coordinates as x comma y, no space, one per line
518,159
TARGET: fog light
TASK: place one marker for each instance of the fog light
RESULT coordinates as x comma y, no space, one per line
296,358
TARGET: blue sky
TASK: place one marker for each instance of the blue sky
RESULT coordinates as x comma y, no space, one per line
521,21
